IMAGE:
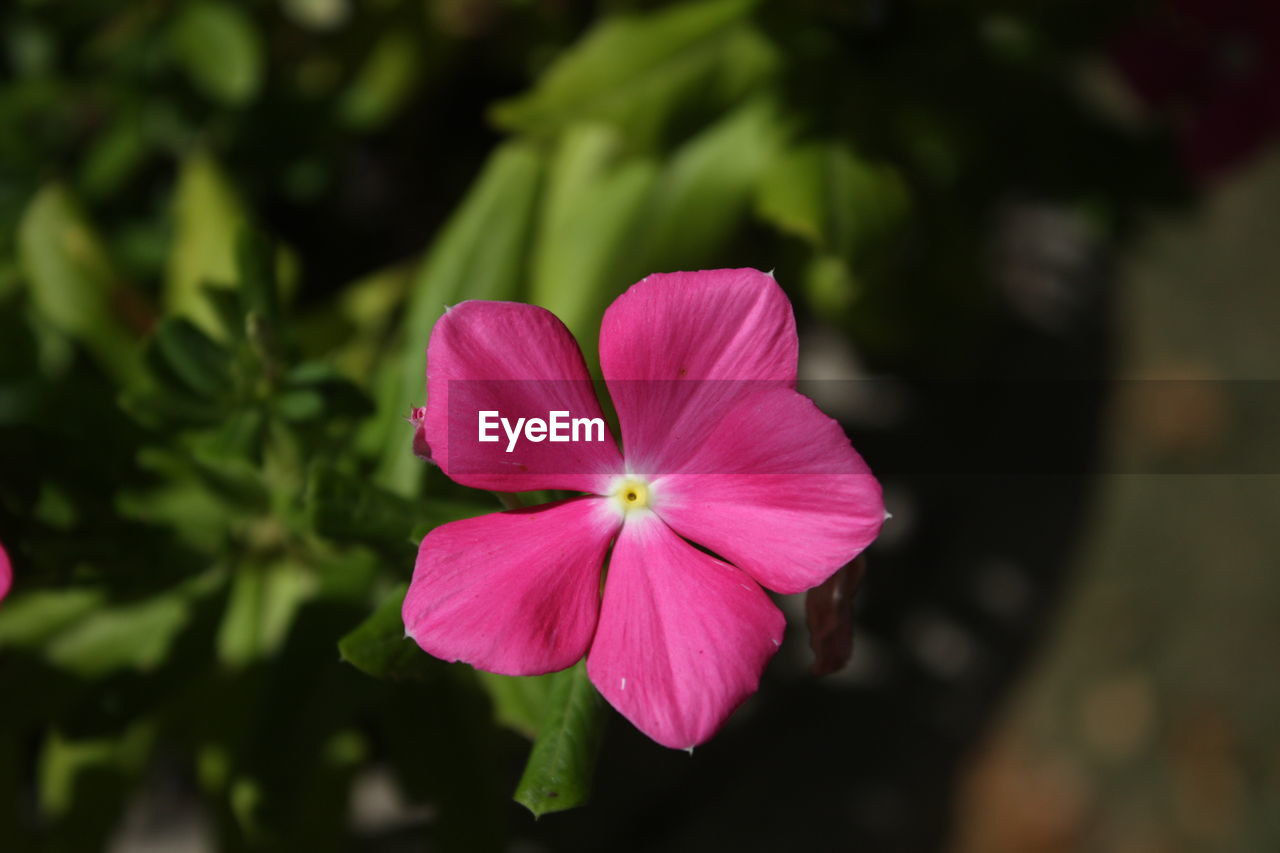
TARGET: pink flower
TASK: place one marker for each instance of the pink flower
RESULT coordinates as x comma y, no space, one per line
6,573
719,450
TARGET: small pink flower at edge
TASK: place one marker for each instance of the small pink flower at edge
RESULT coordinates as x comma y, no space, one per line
720,451
6,572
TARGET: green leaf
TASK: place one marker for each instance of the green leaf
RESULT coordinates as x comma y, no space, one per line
383,83
835,200
258,263
218,47
262,606
792,193
70,279
639,71
202,364
346,507
132,636
241,484
379,646
335,395
704,194
27,620
830,285
207,219
519,702
115,156
83,783
170,407
589,214
563,760
480,254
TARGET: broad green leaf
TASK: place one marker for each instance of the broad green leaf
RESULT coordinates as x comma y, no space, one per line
480,254
262,605
27,620
638,71
519,703
70,278
133,636
207,219
589,212
844,206
704,193
827,195
563,760
383,83
380,647
219,48
792,193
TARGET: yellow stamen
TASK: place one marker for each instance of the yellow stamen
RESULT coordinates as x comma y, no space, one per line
632,494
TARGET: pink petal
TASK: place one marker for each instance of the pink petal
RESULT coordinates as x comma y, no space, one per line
520,361
6,573
513,592
778,491
682,638
677,348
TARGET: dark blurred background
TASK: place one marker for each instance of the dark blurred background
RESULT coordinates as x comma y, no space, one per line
1032,251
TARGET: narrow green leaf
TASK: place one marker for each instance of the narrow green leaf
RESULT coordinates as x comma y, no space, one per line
588,217
219,48
635,71
563,760
480,254
379,646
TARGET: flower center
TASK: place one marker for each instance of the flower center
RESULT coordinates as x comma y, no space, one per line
631,494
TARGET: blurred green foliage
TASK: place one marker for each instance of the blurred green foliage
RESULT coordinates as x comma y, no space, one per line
206,481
